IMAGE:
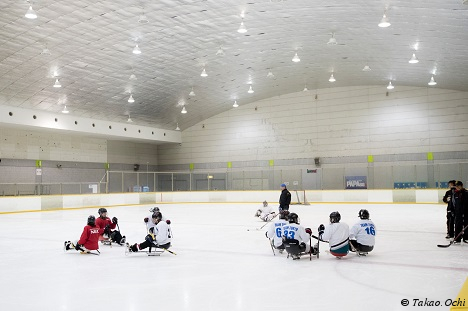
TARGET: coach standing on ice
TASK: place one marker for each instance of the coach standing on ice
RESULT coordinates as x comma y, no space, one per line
285,199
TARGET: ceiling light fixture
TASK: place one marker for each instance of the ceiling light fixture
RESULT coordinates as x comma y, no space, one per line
305,89
250,91
242,28
183,110
129,120
296,58
133,77
432,81
30,13
220,51
177,127
45,51
384,23
203,73
366,68
57,83
143,19
390,86
332,40
192,93
65,110
136,50
332,78
235,105
270,75
414,59
130,99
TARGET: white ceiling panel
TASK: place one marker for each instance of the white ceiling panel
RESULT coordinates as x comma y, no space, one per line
91,45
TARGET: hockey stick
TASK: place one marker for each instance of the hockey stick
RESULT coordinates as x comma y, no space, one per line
319,238
451,242
271,244
257,229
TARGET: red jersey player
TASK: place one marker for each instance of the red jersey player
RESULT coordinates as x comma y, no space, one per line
89,238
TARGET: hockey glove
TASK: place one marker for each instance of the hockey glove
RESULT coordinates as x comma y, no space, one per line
309,231
151,230
146,219
114,220
321,229
107,230
168,222
78,247
150,238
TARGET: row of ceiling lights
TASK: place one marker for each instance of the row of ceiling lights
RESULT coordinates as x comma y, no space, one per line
31,14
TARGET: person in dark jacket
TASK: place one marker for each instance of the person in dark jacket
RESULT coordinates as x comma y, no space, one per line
450,209
285,199
460,199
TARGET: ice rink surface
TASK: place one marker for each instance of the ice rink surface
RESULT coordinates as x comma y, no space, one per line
220,265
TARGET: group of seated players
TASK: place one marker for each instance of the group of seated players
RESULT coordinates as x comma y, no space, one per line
103,230
287,233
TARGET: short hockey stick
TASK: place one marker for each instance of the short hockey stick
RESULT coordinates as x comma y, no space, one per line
257,229
451,242
271,244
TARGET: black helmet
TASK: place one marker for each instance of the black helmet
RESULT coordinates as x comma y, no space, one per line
293,218
157,215
284,214
91,220
363,214
154,209
101,210
335,217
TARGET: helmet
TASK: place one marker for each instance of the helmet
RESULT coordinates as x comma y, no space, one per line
335,217
157,215
363,214
284,215
265,203
101,210
154,209
293,218
91,220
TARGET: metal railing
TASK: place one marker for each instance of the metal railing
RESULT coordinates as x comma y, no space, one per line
316,178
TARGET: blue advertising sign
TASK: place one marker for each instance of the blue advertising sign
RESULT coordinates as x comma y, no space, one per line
356,182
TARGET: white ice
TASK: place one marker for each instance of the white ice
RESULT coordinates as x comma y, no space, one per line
220,265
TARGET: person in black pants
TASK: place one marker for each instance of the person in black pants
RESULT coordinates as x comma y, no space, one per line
450,209
460,199
285,199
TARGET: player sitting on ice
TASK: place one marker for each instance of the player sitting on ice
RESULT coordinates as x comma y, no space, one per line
296,239
109,235
337,234
266,213
275,231
88,240
159,235
150,224
362,234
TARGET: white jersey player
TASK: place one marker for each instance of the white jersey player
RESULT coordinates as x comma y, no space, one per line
362,234
266,213
159,236
275,231
337,234
294,231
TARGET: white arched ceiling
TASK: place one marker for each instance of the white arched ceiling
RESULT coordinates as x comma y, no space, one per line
91,42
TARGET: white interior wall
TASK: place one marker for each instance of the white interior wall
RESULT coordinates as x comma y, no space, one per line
343,121
131,153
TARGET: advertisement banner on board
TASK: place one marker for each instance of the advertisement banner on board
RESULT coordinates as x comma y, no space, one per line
356,182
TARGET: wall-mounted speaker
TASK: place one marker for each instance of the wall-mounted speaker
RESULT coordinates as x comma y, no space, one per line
136,167
317,161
